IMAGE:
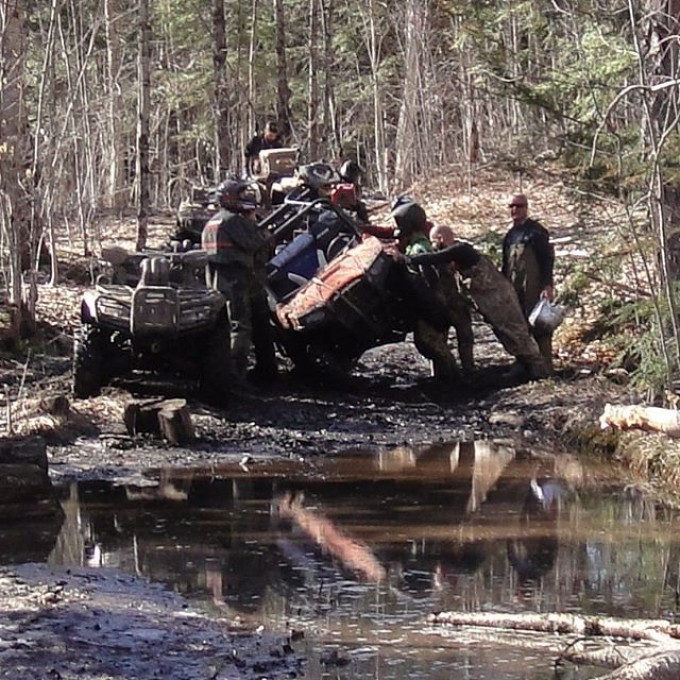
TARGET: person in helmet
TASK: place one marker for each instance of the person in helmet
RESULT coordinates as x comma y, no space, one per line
316,181
348,193
234,246
268,139
351,172
431,326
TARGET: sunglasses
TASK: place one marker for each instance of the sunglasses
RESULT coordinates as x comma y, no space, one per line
517,205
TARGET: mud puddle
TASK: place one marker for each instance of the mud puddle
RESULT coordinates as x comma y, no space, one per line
348,555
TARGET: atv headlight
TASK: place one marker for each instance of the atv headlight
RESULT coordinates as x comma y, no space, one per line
114,309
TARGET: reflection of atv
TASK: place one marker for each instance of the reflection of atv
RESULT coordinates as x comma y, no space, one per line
168,323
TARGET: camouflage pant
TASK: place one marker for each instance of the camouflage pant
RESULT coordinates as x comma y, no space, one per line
524,274
432,342
497,302
433,345
248,315
450,292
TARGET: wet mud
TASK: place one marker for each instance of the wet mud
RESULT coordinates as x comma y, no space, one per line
389,401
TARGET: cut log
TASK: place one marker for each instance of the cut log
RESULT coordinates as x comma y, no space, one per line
175,424
166,418
636,417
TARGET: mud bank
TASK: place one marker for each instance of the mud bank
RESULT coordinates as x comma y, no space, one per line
104,624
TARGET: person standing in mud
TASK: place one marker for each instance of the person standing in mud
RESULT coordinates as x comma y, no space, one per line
493,296
234,245
450,290
528,260
431,340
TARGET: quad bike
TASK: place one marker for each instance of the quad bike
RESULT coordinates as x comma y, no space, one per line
167,323
331,291
336,292
193,214
284,188
308,185
344,309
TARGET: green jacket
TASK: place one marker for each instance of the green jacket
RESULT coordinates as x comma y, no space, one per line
418,245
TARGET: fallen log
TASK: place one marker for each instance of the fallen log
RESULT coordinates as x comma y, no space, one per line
655,630
660,661
636,417
665,665
166,418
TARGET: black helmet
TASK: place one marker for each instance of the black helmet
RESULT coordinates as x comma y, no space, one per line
351,172
317,175
400,200
410,217
238,195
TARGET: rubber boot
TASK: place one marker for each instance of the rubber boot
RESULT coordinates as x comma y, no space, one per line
544,343
538,370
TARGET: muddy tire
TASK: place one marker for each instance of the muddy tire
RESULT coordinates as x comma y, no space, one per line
217,375
88,362
318,364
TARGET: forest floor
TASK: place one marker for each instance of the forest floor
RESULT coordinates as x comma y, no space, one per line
391,402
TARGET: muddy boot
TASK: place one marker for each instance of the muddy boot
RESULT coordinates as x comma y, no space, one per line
538,370
467,361
444,371
544,343
264,373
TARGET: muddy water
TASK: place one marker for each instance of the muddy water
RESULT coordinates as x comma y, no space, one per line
351,554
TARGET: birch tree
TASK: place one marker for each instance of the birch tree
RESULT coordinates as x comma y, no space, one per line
15,154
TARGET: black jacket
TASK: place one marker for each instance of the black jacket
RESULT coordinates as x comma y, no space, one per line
534,235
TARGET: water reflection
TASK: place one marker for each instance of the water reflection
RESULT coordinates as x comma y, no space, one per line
360,547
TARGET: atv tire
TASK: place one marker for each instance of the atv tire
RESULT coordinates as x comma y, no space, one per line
321,365
217,375
88,362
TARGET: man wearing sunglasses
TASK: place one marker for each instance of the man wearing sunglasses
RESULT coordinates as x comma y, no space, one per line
528,259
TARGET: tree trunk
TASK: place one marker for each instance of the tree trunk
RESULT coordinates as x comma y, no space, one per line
660,662
144,109
330,126
221,102
283,93
406,137
114,195
16,160
374,53
313,86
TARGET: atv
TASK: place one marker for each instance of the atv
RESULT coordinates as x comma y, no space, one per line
347,307
193,214
152,314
